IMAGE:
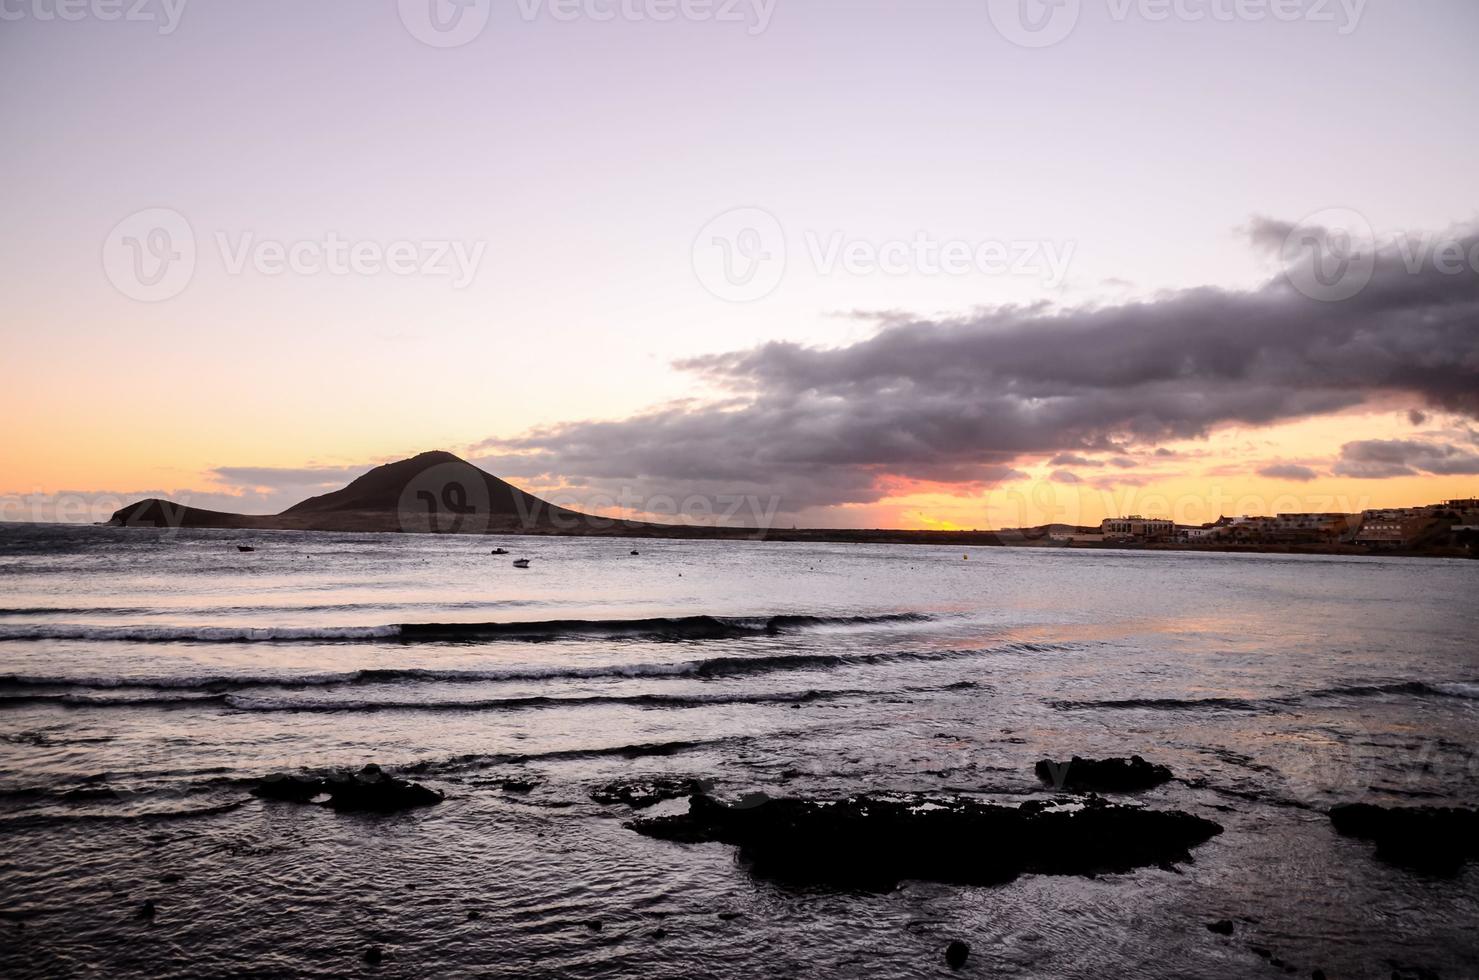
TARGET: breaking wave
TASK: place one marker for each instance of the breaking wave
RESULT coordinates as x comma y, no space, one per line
1413,689
709,668
670,628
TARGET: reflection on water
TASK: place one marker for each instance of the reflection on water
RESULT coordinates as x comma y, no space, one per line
147,678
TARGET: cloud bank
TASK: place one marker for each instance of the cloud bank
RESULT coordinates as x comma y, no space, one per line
960,401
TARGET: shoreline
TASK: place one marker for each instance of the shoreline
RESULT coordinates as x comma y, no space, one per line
622,530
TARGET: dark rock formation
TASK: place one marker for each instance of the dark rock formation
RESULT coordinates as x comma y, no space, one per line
290,788
877,841
642,793
371,789
1438,840
1102,775
957,953
1223,927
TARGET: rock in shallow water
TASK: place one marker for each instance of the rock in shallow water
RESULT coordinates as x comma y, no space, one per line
642,793
957,953
1102,775
877,841
371,789
1433,839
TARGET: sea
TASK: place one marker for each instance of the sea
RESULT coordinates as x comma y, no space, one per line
150,677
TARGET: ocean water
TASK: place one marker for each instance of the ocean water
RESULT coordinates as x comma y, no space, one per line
148,678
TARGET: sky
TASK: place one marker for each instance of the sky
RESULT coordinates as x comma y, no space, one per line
951,263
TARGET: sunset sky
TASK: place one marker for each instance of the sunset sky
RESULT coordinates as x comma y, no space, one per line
864,264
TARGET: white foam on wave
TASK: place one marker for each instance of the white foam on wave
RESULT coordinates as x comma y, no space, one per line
196,634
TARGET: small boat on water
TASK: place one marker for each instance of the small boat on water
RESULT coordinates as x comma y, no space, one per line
521,563
242,547
499,551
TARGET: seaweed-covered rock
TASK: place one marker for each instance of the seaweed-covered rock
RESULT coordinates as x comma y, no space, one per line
1433,839
1102,775
293,789
371,789
642,793
877,841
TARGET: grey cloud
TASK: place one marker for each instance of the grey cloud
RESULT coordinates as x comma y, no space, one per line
958,400
1073,459
1377,459
1289,471
288,478
1269,234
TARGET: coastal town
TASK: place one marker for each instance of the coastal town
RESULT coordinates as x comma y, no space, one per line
1450,527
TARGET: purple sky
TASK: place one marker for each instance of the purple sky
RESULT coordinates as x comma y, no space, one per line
580,158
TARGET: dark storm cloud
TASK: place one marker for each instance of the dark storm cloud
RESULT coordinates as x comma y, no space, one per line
1289,471
958,400
1376,459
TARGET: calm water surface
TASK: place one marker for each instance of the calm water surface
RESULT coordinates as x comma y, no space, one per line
147,678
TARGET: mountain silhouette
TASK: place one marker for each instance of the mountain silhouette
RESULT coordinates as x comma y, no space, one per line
438,492
433,492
